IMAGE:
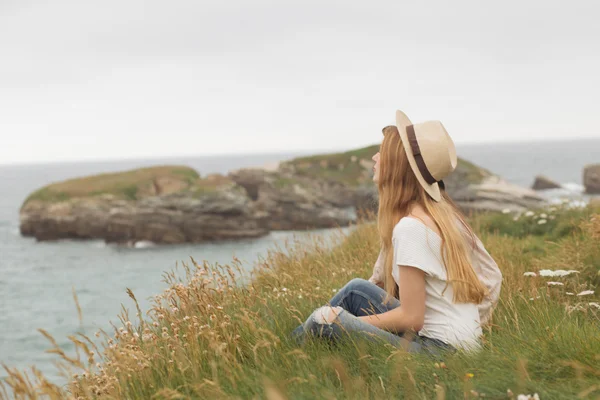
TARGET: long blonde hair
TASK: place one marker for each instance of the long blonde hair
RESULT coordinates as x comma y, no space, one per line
398,191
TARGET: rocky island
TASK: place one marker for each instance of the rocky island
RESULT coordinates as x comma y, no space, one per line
174,204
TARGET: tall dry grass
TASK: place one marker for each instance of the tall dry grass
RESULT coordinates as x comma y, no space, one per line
220,333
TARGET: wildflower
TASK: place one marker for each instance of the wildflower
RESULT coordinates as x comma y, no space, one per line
186,318
543,215
595,305
528,397
506,211
551,217
318,288
542,222
556,284
529,274
299,296
570,294
284,289
585,293
334,290
558,272
515,218
529,214
469,375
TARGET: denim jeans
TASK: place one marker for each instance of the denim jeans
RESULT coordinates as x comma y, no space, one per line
358,298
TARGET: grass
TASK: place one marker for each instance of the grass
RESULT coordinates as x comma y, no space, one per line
132,185
209,337
340,167
124,185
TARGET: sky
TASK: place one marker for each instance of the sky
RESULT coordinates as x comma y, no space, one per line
112,79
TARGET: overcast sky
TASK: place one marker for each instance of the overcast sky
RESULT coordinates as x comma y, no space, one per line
83,80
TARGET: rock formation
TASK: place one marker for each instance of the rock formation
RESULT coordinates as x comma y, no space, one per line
173,204
543,183
591,179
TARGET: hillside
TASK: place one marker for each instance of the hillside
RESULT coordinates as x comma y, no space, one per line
206,337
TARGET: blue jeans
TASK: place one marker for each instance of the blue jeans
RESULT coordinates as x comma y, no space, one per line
358,298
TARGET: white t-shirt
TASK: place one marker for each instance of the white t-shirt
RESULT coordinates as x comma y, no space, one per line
417,245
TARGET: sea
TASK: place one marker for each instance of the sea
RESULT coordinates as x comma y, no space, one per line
37,280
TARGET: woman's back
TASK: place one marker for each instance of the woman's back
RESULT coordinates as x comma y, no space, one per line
417,245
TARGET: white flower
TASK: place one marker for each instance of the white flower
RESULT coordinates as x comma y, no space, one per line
284,289
529,274
299,296
585,293
558,272
529,214
506,211
556,284
570,294
543,215
542,222
528,397
334,290
515,218
593,304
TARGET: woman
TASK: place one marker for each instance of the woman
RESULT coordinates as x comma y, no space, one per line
433,277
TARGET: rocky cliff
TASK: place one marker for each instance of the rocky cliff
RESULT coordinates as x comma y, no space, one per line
173,204
591,179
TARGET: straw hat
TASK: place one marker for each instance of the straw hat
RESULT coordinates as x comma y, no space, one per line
430,150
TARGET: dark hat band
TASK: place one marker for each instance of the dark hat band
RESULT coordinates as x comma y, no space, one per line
414,145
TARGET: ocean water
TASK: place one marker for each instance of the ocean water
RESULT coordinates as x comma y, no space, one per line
37,279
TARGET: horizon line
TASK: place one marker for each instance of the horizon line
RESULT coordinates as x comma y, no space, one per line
272,152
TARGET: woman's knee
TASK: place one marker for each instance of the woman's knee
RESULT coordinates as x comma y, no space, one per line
357,284
326,315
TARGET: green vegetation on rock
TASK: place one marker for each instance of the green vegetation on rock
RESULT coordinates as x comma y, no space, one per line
338,167
128,185
346,167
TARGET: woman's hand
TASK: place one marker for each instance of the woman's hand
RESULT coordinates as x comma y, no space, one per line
411,313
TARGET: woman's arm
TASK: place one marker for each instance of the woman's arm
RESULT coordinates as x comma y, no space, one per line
411,313
377,276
